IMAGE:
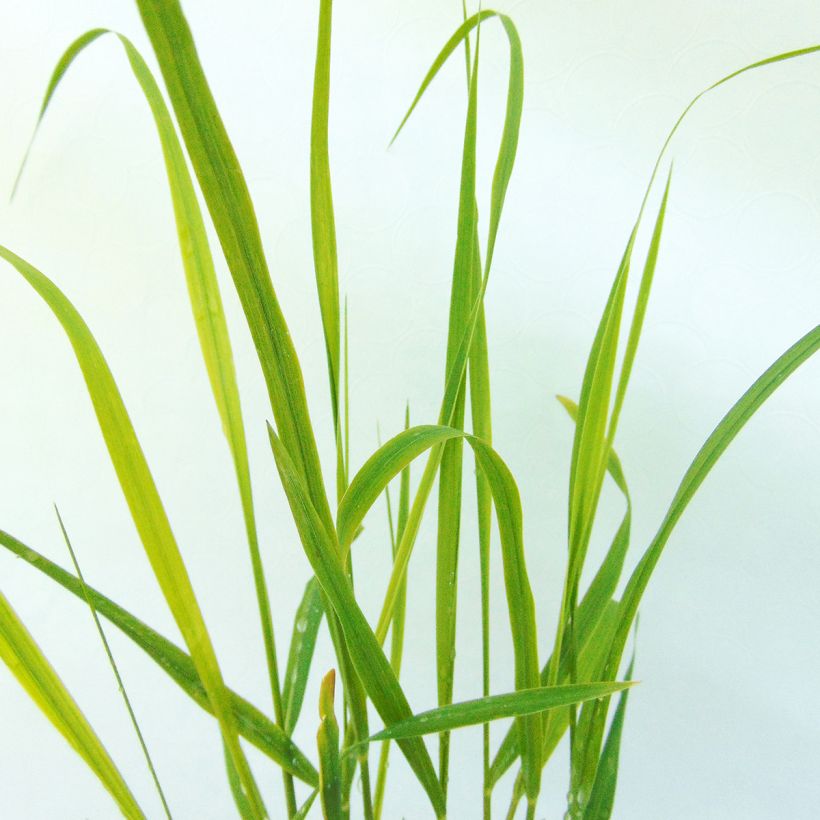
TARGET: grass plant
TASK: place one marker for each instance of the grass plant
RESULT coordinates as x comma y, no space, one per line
562,682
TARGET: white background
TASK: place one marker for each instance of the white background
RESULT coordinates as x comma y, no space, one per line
726,721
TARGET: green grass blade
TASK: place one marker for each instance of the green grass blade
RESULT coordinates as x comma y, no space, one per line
229,203
451,468
302,644
481,416
327,740
384,465
379,470
639,311
209,315
29,665
371,664
594,434
589,448
306,806
455,378
602,798
323,226
594,640
777,58
241,802
708,455
605,582
113,664
519,600
62,66
596,612
251,723
460,35
520,703
397,624
710,452
146,508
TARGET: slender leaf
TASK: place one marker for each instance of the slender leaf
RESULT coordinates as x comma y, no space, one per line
596,612
512,704
372,666
209,316
379,470
306,806
710,452
250,722
302,643
146,508
501,178
397,625
62,66
594,641
229,203
29,665
602,799
323,225
713,448
451,467
384,465
241,802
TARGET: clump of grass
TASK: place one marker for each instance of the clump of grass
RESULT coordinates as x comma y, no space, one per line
561,682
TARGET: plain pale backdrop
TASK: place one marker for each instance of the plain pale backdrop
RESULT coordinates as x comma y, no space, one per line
726,721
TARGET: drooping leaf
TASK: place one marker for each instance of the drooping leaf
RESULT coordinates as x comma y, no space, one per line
146,508
379,470
366,654
595,613
206,304
385,465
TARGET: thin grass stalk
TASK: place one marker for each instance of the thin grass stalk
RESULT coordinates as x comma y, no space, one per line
481,417
397,627
113,664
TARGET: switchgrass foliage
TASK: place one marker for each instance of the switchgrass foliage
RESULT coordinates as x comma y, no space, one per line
562,681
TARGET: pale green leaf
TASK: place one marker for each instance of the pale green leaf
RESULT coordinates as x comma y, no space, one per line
35,674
